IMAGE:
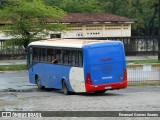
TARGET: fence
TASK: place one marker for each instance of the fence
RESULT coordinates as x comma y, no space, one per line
11,52
139,45
133,46
143,74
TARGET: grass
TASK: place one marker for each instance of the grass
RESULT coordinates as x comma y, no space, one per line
140,84
145,84
146,61
24,67
13,67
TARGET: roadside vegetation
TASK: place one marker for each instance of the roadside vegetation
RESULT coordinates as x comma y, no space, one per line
154,83
13,67
25,20
146,62
24,66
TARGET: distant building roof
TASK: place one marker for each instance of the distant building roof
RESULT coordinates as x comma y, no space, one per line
93,17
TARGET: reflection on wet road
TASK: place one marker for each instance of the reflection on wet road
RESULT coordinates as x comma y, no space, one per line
15,81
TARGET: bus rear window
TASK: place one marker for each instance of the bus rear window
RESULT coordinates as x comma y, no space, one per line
104,53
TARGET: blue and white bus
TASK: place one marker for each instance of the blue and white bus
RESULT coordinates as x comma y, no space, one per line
77,65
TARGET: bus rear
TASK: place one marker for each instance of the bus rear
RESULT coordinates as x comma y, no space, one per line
105,66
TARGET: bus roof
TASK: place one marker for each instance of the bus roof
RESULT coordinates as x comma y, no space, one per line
73,43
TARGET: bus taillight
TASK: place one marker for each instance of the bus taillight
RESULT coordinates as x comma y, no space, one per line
125,75
88,79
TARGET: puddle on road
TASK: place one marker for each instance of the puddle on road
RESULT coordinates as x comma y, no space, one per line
19,89
34,89
8,97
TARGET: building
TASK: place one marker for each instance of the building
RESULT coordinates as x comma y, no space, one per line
90,25
94,25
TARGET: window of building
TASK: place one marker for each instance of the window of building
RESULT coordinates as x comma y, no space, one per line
125,28
55,35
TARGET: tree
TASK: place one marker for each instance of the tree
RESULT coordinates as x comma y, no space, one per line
76,6
26,20
144,12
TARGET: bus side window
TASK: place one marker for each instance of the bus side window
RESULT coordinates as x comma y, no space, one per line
58,54
34,56
50,53
74,58
66,57
80,58
29,60
43,54
36,52
70,57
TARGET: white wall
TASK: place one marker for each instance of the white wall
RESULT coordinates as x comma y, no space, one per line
98,30
92,30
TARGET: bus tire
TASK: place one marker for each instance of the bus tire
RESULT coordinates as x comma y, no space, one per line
38,82
65,89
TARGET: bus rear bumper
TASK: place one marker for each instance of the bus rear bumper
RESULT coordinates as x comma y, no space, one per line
105,87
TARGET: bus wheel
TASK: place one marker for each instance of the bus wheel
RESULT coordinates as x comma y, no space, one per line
64,87
38,81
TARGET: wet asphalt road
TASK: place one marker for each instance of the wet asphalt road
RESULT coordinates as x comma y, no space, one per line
17,94
15,81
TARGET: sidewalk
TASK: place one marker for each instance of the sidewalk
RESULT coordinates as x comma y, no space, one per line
128,58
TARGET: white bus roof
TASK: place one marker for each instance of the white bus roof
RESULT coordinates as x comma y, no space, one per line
73,43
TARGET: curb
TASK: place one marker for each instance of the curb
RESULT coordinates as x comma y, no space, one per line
13,71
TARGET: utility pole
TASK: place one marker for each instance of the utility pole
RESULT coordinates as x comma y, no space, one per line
159,32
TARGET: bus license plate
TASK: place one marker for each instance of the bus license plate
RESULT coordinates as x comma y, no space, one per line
108,87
